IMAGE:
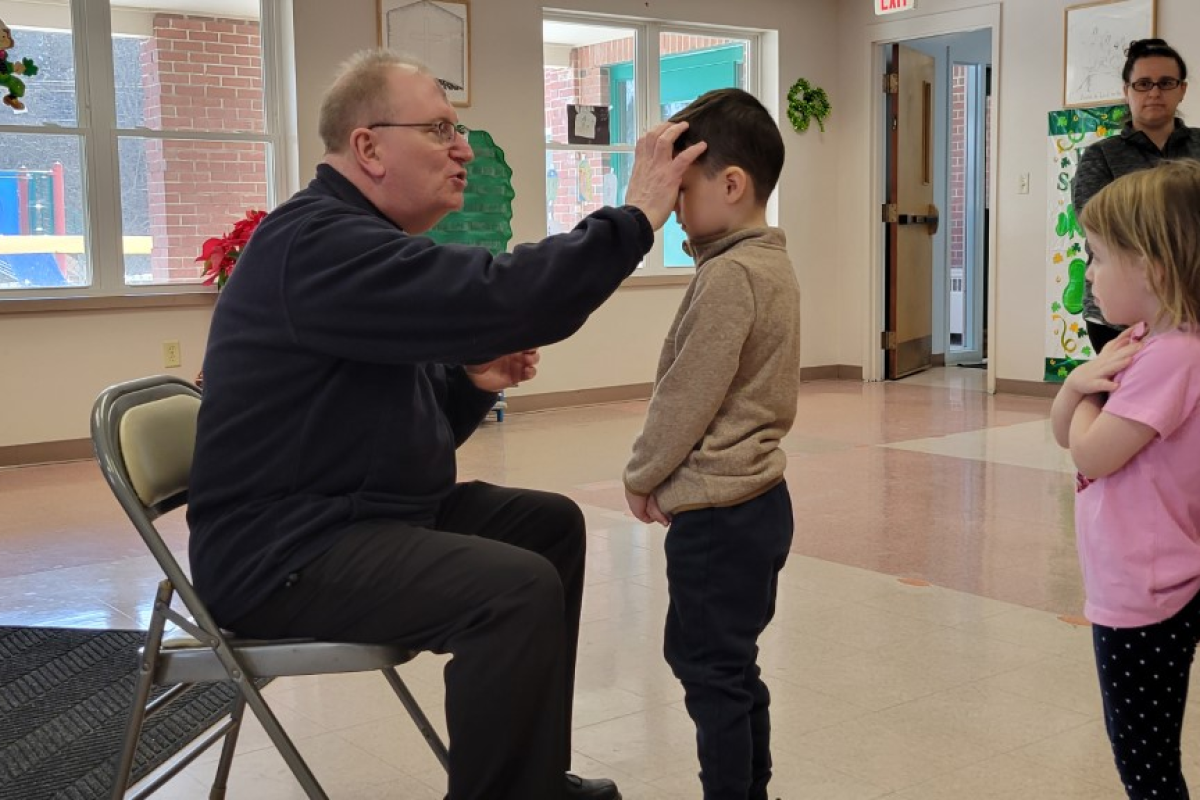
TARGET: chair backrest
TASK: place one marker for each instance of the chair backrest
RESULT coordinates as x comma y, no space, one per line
144,435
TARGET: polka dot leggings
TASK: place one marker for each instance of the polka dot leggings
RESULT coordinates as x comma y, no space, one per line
1144,683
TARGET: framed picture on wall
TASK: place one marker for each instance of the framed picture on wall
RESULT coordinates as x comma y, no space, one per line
438,33
1095,38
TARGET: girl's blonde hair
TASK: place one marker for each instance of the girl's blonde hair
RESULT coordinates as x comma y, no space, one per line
1155,214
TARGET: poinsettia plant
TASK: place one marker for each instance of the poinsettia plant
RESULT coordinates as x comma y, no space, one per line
219,255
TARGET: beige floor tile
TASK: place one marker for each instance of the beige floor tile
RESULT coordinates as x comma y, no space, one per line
981,716
1029,444
881,756
1064,682
343,770
648,745
1006,777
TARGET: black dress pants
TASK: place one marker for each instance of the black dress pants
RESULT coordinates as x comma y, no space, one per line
496,581
723,574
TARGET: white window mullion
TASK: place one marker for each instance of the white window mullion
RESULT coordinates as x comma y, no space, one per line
92,23
648,52
647,65
279,99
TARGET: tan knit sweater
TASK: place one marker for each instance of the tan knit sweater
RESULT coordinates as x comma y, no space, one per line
728,376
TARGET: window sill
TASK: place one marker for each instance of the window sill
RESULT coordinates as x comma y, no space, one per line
640,281
53,305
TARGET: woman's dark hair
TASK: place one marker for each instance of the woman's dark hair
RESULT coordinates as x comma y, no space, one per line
1149,48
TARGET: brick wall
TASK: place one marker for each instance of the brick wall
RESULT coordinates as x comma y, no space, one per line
201,74
958,175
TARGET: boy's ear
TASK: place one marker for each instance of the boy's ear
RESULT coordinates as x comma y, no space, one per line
736,184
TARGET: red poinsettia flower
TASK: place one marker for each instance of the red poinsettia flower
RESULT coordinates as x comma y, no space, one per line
219,255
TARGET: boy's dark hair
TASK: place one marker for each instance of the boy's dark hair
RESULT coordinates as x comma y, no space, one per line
1149,48
739,132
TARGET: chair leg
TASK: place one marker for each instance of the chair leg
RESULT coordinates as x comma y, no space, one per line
418,716
141,692
221,779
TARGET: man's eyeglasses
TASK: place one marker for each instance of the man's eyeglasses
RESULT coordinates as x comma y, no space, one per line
445,130
1145,84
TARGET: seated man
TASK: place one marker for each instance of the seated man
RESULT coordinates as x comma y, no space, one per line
348,358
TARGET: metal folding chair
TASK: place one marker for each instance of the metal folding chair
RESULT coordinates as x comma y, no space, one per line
144,432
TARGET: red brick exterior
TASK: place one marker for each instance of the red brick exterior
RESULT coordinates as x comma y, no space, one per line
201,74
958,174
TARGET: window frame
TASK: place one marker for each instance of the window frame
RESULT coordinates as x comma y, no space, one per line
99,138
647,67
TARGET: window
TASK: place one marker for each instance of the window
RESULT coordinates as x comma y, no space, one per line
601,91
145,132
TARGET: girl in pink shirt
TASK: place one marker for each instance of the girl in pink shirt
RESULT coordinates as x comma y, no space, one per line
1131,419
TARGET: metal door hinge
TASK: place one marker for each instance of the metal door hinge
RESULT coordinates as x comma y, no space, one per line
887,340
891,213
891,83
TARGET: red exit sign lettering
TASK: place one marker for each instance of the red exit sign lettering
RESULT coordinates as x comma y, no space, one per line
892,6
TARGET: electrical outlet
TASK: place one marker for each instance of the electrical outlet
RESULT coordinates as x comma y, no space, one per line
172,355
1023,183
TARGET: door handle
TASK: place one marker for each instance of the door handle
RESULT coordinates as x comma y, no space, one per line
929,219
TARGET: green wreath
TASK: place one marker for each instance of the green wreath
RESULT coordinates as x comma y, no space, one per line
806,103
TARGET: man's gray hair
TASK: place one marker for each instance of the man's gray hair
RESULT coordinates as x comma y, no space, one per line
359,94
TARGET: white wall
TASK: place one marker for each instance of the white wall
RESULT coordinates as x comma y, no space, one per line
1028,85
52,366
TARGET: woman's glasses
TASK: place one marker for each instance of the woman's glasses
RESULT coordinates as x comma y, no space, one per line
1164,84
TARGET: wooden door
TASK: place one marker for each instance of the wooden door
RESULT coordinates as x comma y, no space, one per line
909,214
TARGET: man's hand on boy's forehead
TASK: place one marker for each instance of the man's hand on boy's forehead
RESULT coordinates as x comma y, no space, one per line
658,170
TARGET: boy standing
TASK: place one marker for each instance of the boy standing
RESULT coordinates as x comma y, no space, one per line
708,462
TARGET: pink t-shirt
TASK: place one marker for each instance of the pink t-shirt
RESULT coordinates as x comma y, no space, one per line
1138,530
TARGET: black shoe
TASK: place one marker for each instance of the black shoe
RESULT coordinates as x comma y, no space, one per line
590,788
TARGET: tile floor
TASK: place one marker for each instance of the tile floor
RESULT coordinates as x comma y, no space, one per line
920,650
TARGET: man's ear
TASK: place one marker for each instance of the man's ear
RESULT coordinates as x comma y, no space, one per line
364,149
736,184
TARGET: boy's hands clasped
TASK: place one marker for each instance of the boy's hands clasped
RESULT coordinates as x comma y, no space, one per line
646,509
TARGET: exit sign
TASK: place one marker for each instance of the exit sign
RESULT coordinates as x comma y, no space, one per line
892,6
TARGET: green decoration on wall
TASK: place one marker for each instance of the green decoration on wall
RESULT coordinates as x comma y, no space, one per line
486,216
806,103
1072,296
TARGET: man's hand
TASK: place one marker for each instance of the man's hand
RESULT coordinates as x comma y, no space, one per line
504,372
646,509
1096,376
654,183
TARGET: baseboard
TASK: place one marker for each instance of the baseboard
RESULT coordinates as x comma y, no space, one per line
939,359
23,455
831,372
579,397
1027,388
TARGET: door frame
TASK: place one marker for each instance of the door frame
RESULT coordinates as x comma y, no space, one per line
918,27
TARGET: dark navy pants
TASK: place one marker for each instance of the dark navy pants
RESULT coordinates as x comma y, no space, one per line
1144,676
722,570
